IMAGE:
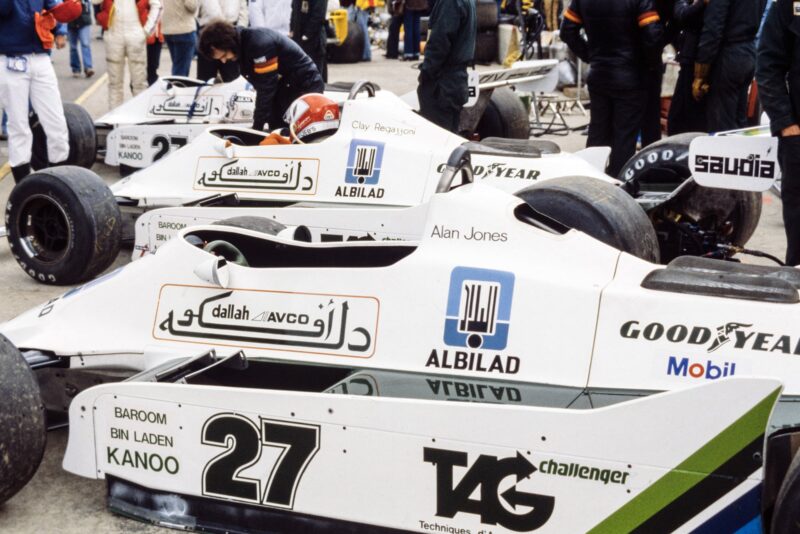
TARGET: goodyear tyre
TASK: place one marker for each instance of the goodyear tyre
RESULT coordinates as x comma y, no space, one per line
597,208
82,139
23,431
786,515
486,14
352,49
662,167
64,225
505,116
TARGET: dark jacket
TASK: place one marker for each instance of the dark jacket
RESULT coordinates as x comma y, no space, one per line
416,5
687,17
17,33
267,58
623,40
727,22
778,66
451,44
307,23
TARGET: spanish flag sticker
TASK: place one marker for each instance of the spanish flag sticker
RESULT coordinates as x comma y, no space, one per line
266,66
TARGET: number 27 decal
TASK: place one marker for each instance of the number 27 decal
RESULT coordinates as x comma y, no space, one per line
244,442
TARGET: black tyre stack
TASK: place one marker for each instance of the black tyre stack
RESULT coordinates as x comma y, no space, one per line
82,138
486,41
352,49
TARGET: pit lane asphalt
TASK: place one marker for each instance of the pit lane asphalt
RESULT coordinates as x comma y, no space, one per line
57,501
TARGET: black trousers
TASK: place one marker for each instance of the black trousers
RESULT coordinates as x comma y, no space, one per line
731,76
153,60
316,51
208,69
789,158
393,39
685,113
651,122
441,100
615,121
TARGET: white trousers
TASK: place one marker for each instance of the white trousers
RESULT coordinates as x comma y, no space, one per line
39,87
121,43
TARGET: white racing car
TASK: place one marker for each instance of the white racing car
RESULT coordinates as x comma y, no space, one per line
65,225
478,309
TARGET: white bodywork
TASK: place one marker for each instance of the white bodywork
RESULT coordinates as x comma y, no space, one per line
413,464
562,309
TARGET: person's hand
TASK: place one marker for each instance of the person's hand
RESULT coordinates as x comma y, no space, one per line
61,41
789,131
700,85
291,35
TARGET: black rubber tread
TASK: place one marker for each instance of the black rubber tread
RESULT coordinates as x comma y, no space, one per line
748,214
486,47
505,116
93,217
486,13
597,208
786,516
352,49
82,139
251,222
23,430
639,165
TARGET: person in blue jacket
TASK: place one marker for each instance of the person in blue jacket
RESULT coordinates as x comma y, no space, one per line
27,79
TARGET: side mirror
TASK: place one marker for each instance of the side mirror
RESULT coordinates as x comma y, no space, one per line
214,271
226,148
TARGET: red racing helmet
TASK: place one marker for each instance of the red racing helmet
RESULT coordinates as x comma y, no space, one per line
311,115
67,11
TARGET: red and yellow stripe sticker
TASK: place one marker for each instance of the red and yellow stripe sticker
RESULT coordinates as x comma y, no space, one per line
648,17
271,65
571,15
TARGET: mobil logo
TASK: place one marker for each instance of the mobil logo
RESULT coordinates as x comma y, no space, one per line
364,161
478,308
703,369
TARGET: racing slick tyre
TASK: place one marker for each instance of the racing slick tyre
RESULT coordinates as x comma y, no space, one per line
486,46
64,225
82,138
698,217
23,431
486,13
786,515
352,49
505,116
598,209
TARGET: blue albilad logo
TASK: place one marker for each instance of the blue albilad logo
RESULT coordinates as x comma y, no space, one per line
364,162
478,308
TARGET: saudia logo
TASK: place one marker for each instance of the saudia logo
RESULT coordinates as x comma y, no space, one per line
708,370
752,166
713,339
478,317
364,161
487,472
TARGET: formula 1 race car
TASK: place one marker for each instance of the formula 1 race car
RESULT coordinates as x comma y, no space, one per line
383,155
506,299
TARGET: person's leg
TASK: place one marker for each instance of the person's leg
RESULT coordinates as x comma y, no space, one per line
85,37
46,102
789,158
182,62
115,62
417,15
135,50
685,113
393,39
599,119
363,21
626,118
74,60
153,60
14,90
730,77
408,31
651,119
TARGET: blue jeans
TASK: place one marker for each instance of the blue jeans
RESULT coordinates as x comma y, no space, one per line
84,36
181,50
411,36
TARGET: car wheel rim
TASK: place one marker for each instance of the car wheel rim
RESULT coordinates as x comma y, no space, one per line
43,229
